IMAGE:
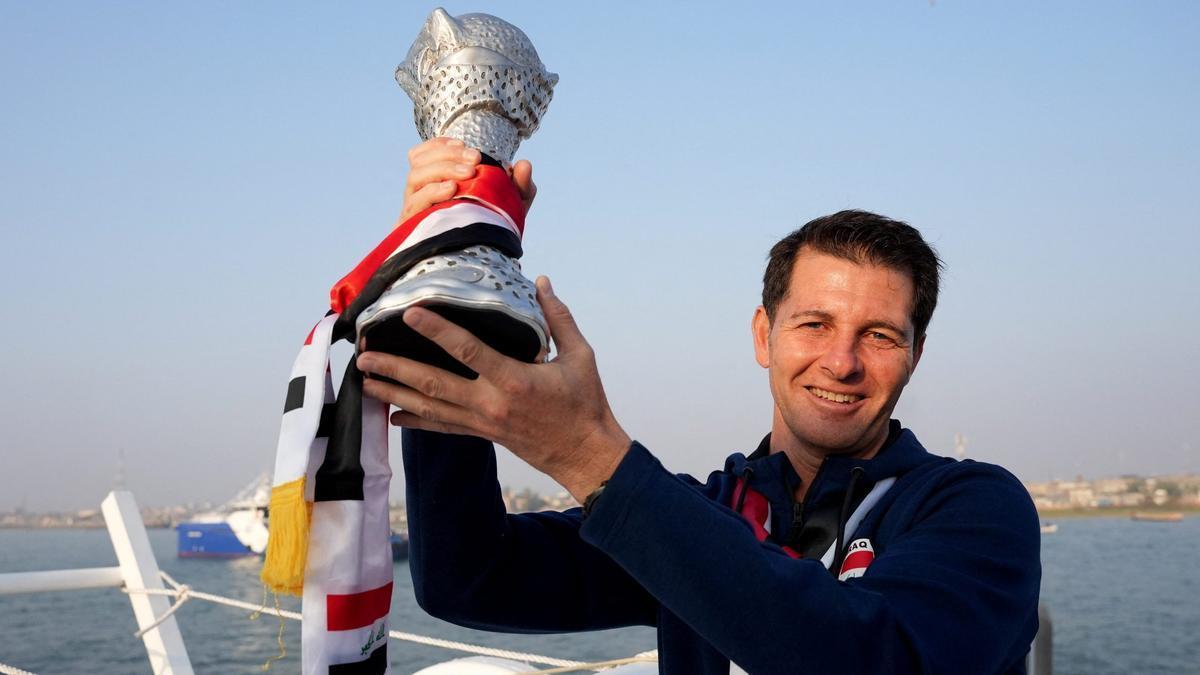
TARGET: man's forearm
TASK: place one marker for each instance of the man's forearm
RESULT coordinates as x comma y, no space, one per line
476,565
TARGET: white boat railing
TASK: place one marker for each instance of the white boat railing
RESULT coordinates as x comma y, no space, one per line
136,568
60,580
137,574
1041,653
182,593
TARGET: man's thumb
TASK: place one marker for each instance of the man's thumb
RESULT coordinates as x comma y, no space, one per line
563,329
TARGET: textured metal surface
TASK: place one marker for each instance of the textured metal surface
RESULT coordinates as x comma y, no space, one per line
478,277
476,78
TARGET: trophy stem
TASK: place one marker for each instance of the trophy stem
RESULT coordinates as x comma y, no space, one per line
490,132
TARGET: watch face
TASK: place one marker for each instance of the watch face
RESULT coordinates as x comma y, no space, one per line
590,500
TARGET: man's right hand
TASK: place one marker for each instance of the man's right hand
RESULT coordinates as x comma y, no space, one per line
554,415
436,165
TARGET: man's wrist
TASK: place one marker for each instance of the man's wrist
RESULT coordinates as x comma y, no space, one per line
600,455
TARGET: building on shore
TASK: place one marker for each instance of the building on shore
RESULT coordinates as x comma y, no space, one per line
1120,492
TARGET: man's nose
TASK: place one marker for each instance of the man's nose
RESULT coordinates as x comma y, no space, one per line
841,361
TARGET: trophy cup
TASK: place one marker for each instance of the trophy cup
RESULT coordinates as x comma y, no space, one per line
476,78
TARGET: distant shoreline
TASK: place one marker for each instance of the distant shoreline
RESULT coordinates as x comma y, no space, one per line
1121,512
80,527
1045,515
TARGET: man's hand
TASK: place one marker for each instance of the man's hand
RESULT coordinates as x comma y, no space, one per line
553,415
436,164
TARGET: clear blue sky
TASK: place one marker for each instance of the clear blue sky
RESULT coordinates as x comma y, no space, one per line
180,184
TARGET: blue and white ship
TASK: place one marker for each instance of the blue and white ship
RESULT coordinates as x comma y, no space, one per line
239,528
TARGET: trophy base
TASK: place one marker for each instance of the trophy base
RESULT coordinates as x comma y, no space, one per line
497,330
477,288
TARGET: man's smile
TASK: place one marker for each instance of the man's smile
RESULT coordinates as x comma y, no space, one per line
833,396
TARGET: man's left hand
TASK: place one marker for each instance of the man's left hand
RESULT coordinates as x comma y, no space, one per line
553,415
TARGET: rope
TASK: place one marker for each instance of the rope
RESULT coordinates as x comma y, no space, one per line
229,602
485,651
12,670
644,657
188,593
182,595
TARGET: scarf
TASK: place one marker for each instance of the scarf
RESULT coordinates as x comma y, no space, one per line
329,528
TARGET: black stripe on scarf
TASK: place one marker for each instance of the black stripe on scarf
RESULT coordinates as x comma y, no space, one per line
340,477
476,234
325,424
295,395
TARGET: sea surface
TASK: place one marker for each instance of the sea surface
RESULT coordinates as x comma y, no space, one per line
1124,597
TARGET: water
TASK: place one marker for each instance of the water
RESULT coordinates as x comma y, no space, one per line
91,631
1124,597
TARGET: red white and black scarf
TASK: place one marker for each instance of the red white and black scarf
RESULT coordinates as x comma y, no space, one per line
329,529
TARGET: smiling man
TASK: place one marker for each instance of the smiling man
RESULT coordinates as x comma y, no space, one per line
846,301
838,545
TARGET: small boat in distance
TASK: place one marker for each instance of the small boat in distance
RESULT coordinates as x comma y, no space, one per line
1049,528
1158,516
399,546
239,527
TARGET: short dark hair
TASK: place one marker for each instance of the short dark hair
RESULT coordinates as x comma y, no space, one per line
860,237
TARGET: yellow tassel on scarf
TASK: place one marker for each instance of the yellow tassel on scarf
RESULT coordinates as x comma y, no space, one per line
287,546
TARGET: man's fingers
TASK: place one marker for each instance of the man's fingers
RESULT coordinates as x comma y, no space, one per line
423,378
452,168
458,343
563,328
434,145
522,175
403,418
428,196
435,166
416,403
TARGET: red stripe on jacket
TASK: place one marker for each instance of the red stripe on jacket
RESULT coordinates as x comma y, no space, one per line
858,560
755,510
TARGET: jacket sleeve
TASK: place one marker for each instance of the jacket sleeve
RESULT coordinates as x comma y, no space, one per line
476,565
956,592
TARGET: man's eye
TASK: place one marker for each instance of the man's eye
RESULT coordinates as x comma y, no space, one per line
876,336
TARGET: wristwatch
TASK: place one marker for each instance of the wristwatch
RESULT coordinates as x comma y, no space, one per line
590,502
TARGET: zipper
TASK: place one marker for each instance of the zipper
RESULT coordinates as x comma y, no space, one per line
798,507
747,474
797,524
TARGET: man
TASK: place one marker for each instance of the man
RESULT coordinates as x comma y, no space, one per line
839,545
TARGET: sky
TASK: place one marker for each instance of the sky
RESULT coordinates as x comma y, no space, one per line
181,183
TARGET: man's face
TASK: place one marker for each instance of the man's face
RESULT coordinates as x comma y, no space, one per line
839,352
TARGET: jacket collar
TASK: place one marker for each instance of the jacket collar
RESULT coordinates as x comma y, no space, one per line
900,454
772,476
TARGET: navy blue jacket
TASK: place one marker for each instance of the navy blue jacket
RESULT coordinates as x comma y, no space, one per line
953,587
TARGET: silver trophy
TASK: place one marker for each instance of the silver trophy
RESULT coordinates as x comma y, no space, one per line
476,78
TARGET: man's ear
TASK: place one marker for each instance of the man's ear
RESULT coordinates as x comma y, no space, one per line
760,327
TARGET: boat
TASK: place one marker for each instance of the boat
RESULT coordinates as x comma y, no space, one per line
399,546
1158,516
239,527
1049,528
